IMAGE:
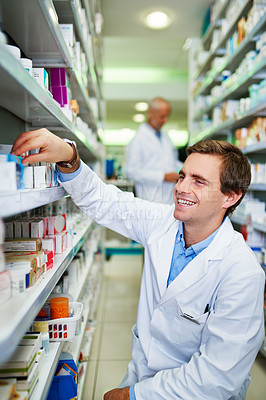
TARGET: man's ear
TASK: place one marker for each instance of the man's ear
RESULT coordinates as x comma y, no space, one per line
231,199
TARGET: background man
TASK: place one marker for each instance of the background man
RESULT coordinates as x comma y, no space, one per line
151,159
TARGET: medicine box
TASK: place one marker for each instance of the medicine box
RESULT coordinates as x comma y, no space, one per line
28,384
7,389
41,76
20,364
63,387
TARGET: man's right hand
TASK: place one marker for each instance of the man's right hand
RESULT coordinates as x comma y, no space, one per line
171,177
52,148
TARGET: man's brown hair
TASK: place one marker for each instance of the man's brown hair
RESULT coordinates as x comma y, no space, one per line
235,174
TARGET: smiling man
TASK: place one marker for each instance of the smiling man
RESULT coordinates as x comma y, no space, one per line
200,315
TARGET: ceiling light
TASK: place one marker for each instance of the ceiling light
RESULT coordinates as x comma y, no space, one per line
138,118
157,20
141,106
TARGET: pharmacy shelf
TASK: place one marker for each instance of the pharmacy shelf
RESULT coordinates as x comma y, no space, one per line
25,307
238,220
47,48
75,290
259,227
86,350
50,51
69,13
12,203
232,124
80,93
220,48
206,39
239,88
243,221
258,187
24,97
47,371
258,148
232,62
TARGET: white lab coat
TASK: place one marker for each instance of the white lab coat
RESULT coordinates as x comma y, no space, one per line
173,357
147,160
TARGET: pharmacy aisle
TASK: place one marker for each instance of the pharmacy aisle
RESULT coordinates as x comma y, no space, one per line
116,314
111,346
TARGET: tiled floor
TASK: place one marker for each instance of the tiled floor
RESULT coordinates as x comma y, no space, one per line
116,314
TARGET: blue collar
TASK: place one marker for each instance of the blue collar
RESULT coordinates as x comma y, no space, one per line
197,247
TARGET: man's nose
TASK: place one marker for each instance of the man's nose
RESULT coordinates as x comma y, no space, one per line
183,186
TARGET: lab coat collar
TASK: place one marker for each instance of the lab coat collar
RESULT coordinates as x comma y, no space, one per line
152,133
197,268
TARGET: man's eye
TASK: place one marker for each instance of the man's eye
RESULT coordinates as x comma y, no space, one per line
200,182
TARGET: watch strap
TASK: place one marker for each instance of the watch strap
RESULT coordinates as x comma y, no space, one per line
70,163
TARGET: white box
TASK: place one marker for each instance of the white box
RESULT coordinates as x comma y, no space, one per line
37,228
8,177
9,229
41,76
26,229
18,229
28,177
68,35
43,176
48,244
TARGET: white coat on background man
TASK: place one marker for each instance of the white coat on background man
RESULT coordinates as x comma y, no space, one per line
152,161
198,337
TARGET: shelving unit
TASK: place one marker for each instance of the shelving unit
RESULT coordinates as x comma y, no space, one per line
24,105
26,98
25,307
204,78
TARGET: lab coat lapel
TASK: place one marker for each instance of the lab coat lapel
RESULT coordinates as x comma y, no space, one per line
194,271
198,267
154,140
165,247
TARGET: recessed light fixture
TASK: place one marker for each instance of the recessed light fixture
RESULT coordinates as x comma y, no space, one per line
138,118
157,20
141,106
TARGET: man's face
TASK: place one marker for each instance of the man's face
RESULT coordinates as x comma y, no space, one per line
157,118
197,195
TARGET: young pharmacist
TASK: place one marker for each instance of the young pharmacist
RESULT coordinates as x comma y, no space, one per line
200,315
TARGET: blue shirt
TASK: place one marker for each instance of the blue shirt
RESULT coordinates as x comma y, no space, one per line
67,177
180,258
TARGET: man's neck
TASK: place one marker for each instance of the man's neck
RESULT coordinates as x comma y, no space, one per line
193,234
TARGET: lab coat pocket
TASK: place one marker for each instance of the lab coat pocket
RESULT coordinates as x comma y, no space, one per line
187,326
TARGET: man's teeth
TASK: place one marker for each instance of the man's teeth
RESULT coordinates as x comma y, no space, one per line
185,202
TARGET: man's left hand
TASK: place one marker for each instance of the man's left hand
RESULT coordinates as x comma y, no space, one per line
117,394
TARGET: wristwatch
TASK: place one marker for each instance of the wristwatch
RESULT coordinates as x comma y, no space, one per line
70,163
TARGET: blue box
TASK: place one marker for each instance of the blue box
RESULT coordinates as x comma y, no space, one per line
63,387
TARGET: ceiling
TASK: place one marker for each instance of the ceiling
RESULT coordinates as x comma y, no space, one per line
140,63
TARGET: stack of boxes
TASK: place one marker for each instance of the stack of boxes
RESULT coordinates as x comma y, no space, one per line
21,372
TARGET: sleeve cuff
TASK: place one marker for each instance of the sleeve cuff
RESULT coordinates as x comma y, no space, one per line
132,393
63,177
